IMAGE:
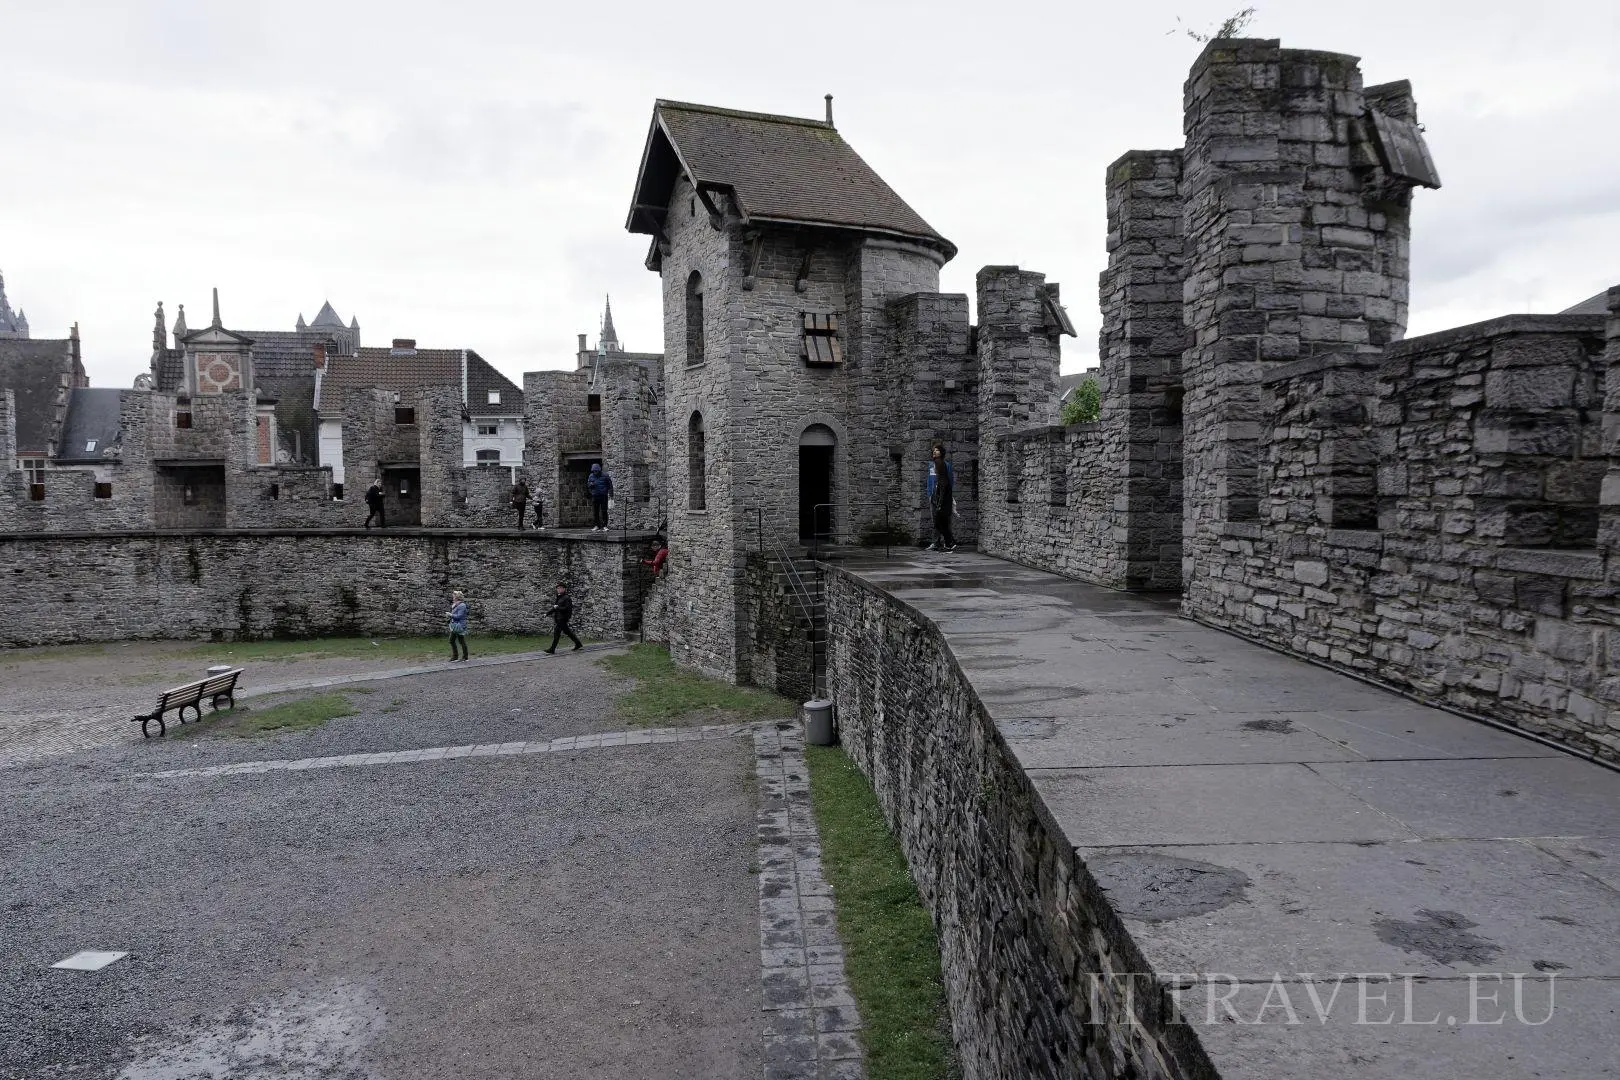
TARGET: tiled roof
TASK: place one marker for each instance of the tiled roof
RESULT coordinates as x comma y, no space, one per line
93,416
32,368
781,168
171,370
481,379
386,371
285,354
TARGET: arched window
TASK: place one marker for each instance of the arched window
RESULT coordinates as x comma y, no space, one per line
696,487
694,318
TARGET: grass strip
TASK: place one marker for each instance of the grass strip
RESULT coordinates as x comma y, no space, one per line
890,952
666,692
410,648
246,722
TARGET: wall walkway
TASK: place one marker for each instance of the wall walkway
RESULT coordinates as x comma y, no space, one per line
1111,809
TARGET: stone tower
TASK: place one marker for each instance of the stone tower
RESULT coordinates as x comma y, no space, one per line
12,324
780,251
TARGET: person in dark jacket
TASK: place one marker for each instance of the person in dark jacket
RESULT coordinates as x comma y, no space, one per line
941,499
600,487
520,501
561,612
374,504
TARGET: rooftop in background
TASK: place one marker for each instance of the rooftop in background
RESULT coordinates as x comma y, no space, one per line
12,324
777,169
405,367
32,368
1595,305
92,425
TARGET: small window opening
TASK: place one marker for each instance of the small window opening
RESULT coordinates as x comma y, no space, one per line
593,402
486,458
182,416
404,415
488,429
694,318
820,345
275,491
696,464
494,397
103,491
90,446
337,492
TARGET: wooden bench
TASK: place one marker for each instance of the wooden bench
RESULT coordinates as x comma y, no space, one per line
217,690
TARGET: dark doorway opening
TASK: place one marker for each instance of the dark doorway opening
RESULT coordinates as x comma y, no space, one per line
402,495
815,492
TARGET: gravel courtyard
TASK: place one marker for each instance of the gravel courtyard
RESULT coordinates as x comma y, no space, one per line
582,913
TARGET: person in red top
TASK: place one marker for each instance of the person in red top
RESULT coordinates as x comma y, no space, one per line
657,561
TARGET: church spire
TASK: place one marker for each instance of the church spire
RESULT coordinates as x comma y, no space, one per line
216,306
610,337
11,325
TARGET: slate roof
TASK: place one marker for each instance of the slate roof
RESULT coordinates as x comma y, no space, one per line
481,379
1596,305
93,415
327,317
780,168
32,368
425,367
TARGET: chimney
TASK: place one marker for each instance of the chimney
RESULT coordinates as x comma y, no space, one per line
582,343
320,355
829,110
404,343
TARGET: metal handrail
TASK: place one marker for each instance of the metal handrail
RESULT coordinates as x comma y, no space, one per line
801,595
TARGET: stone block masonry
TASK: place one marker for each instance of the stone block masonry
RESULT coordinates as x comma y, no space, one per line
1022,926
247,585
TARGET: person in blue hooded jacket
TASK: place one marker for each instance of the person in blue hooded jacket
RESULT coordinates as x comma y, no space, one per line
599,485
458,625
941,499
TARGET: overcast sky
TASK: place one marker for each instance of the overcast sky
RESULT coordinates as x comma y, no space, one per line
460,173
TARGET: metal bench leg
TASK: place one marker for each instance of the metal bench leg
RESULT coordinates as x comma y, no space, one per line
146,721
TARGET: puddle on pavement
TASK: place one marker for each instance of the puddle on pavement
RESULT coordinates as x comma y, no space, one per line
298,1036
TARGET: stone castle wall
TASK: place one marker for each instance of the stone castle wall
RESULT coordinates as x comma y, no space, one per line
1031,953
1478,580
237,585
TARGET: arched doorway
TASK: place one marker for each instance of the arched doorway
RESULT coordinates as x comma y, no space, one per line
816,445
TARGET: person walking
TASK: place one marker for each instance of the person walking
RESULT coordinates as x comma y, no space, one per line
374,504
458,625
600,487
560,613
941,499
539,511
520,501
